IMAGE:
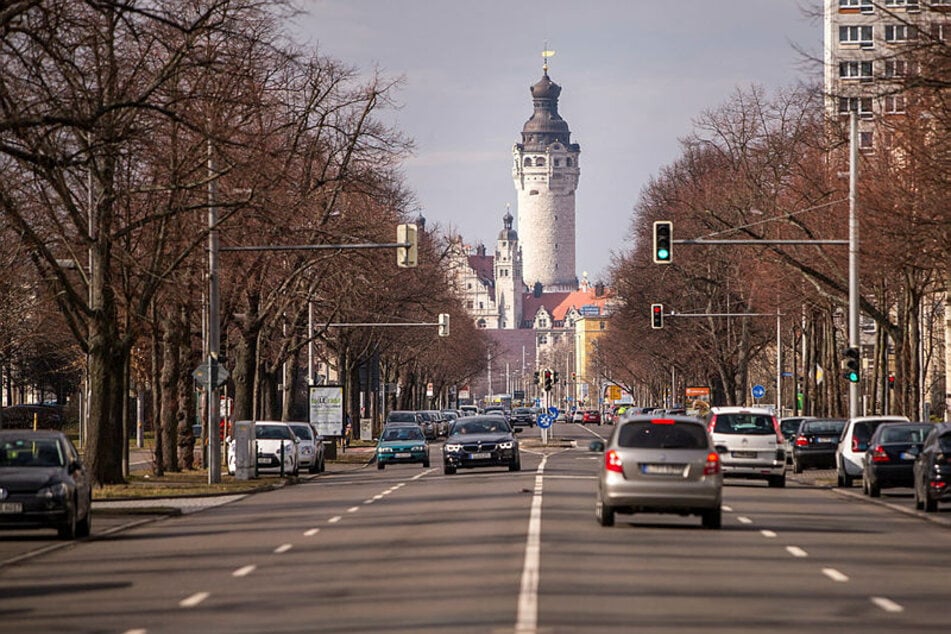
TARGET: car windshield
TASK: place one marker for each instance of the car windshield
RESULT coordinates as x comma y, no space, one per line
523,410
401,417
481,427
648,435
830,427
304,432
45,452
273,432
790,427
744,423
403,433
905,433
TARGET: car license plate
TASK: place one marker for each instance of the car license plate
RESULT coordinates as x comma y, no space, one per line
264,461
906,455
662,469
404,455
744,454
11,507
485,455
828,439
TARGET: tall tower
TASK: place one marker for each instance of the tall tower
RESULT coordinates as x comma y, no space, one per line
509,287
545,172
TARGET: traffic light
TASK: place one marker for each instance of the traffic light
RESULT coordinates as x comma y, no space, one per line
851,364
443,324
406,256
548,380
657,316
663,241
536,377
891,381
554,378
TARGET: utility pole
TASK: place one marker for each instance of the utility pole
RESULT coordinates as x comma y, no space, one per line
214,328
854,332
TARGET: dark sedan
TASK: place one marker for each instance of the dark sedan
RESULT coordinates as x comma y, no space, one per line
43,483
890,459
522,416
814,444
481,441
932,469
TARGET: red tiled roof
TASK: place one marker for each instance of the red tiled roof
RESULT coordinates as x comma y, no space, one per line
558,304
484,266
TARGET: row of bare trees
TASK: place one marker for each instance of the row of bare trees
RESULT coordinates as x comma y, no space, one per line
120,123
773,167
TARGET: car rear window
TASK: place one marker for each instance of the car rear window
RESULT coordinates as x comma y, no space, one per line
304,432
273,432
905,433
402,417
648,435
746,424
831,427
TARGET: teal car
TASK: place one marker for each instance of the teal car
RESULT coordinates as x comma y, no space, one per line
402,444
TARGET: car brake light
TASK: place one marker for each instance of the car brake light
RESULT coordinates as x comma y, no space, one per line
713,464
662,421
855,444
879,455
710,425
612,462
802,441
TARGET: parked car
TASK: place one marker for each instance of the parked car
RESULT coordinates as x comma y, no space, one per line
789,427
815,443
890,459
481,441
591,416
311,447
402,445
932,469
43,483
523,416
750,443
659,465
853,443
277,446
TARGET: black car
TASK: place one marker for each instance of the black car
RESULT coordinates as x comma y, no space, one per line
43,483
932,469
814,444
481,441
522,416
890,459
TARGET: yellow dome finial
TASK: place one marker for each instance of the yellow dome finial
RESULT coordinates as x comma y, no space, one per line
545,55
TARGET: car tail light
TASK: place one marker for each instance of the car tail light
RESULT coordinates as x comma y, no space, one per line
802,441
938,485
612,462
879,455
713,464
662,421
855,444
712,423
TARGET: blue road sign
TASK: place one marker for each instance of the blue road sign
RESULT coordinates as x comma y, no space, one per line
544,421
758,391
553,412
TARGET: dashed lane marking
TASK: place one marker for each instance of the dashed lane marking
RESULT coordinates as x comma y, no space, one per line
887,604
835,575
283,548
243,571
194,600
796,551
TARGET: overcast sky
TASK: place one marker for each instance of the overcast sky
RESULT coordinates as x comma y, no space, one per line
634,74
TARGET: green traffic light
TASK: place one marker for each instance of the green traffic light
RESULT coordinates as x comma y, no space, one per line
663,254
853,377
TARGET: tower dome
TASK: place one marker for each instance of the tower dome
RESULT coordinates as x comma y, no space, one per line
508,233
545,125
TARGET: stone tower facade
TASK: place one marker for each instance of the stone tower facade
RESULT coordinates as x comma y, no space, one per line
546,171
509,287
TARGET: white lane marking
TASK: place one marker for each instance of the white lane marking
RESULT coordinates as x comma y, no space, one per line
834,574
887,604
143,631
244,571
796,551
387,492
420,475
194,600
378,497
283,548
399,485
744,520
767,533
311,532
334,519
728,509
369,501
353,509
526,621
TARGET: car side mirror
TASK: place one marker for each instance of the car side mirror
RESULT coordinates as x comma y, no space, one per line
596,446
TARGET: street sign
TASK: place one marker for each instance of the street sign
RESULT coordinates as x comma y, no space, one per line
758,391
544,421
202,375
553,412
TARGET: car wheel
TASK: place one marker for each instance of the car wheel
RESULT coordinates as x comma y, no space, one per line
844,480
712,518
515,465
604,513
874,489
323,465
796,466
380,465
84,526
931,506
426,463
313,468
448,470
777,482
67,530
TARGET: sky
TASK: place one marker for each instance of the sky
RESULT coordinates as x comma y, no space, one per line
634,74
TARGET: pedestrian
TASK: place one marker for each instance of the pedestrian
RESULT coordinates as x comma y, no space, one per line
347,430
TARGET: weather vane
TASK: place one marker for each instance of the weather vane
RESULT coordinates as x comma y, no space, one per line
545,55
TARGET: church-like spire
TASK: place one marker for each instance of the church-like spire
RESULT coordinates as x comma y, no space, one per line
545,125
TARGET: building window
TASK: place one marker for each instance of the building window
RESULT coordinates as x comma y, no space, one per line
911,4
602,325
568,162
542,340
533,192
865,140
481,305
864,5
540,162
469,304
862,105
855,35
895,68
480,323
528,161
939,32
469,286
894,104
557,162
900,33
855,70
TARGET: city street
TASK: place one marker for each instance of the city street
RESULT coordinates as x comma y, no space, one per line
412,550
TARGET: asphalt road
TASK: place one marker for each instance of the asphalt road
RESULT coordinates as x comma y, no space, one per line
412,550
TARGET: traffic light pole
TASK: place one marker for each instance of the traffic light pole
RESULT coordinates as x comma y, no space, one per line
854,334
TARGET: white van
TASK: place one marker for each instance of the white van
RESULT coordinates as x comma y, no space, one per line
749,442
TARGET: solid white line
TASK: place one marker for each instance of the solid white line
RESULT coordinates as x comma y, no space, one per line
728,509
334,519
796,551
744,520
887,604
767,533
244,571
834,574
526,621
283,548
194,600
353,509
311,532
